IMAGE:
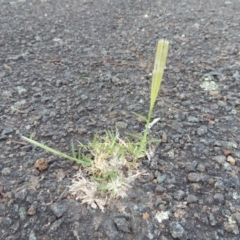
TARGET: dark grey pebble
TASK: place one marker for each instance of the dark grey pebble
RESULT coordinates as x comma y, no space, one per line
15,227
21,194
193,119
195,177
3,137
6,222
7,131
6,171
148,187
122,224
161,178
219,185
32,236
219,198
176,230
202,130
192,199
59,208
179,195
56,225
160,189
212,219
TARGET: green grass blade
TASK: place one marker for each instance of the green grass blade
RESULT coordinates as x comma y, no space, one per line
154,141
159,65
140,116
56,152
135,136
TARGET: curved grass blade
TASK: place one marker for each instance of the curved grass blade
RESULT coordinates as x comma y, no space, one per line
46,148
140,116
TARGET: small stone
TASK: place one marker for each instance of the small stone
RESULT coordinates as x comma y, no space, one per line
52,114
234,181
112,115
22,213
195,177
176,230
201,168
182,96
231,160
161,178
163,215
214,93
219,159
60,174
6,67
164,137
160,189
3,137
52,219
41,164
179,195
5,222
210,118
21,90
236,75
20,104
7,94
84,97
202,130
193,119
15,227
38,38
149,187
21,194
204,220
2,208
236,217
219,185
192,199
227,166
195,186
226,152
32,236
82,131
7,131
31,211
231,227
6,171
145,216
56,225
219,198
122,224
58,209
212,220
232,145
121,125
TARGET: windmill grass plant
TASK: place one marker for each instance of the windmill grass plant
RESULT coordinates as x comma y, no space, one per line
109,163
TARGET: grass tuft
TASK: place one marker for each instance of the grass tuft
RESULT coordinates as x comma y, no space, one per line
110,163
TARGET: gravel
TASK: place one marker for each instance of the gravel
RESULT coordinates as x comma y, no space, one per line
73,68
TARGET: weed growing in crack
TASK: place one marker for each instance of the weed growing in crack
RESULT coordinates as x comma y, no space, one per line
110,163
